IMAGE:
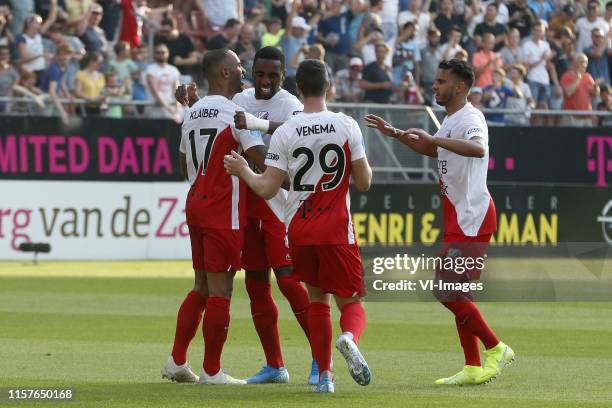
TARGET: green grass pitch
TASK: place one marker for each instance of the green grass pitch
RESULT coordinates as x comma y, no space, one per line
104,329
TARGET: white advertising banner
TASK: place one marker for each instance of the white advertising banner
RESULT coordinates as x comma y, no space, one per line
94,220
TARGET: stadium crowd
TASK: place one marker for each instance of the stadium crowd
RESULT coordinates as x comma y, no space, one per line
526,53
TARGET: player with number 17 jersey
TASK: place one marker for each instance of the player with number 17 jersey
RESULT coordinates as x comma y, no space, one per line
216,200
316,150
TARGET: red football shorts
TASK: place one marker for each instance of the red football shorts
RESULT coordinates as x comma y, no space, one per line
264,245
334,269
472,250
215,250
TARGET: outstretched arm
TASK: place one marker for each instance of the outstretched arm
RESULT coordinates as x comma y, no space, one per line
423,146
265,185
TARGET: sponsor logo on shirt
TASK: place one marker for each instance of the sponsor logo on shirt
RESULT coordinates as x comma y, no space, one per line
272,156
473,130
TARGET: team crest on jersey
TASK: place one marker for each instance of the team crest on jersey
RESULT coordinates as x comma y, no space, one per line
263,115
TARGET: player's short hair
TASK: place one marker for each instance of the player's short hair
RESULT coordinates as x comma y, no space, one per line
460,70
270,53
311,78
212,61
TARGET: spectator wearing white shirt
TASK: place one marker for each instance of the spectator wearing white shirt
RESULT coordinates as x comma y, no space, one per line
420,16
535,54
30,42
162,80
585,26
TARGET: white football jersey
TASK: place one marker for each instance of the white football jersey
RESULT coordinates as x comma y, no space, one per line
463,180
316,150
280,108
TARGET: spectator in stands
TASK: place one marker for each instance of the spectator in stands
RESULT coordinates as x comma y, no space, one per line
333,34
421,18
475,98
8,75
579,88
162,80
367,47
278,10
20,11
77,11
218,12
57,36
605,105
123,66
6,37
448,22
452,47
30,43
535,54
26,87
462,55
495,96
510,52
599,57
409,91
585,26
139,84
407,55
245,48
564,19
430,59
256,19
377,77
541,8
116,91
226,37
371,20
347,81
274,33
388,20
90,33
53,80
562,46
521,17
486,61
90,83
295,37
182,51
490,25
521,99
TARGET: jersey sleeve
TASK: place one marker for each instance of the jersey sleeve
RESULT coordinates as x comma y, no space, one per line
292,107
277,154
474,127
355,139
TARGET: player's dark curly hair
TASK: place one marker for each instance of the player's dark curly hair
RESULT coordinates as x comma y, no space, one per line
311,78
460,70
270,53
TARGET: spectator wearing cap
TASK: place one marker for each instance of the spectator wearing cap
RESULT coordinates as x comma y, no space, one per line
421,18
563,19
53,79
377,77
333,34
579,88
542,9
586,24
521,17
227,36
430,59
535,55
30,42
295,37
182,51
274,33
475,98
407,55
90,33
490,25
486,61
599,57
347,81
521,99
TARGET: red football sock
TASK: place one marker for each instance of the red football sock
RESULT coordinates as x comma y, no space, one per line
297,295
469,343
470,317
265,318
320,326
353,319
216,325
187,322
